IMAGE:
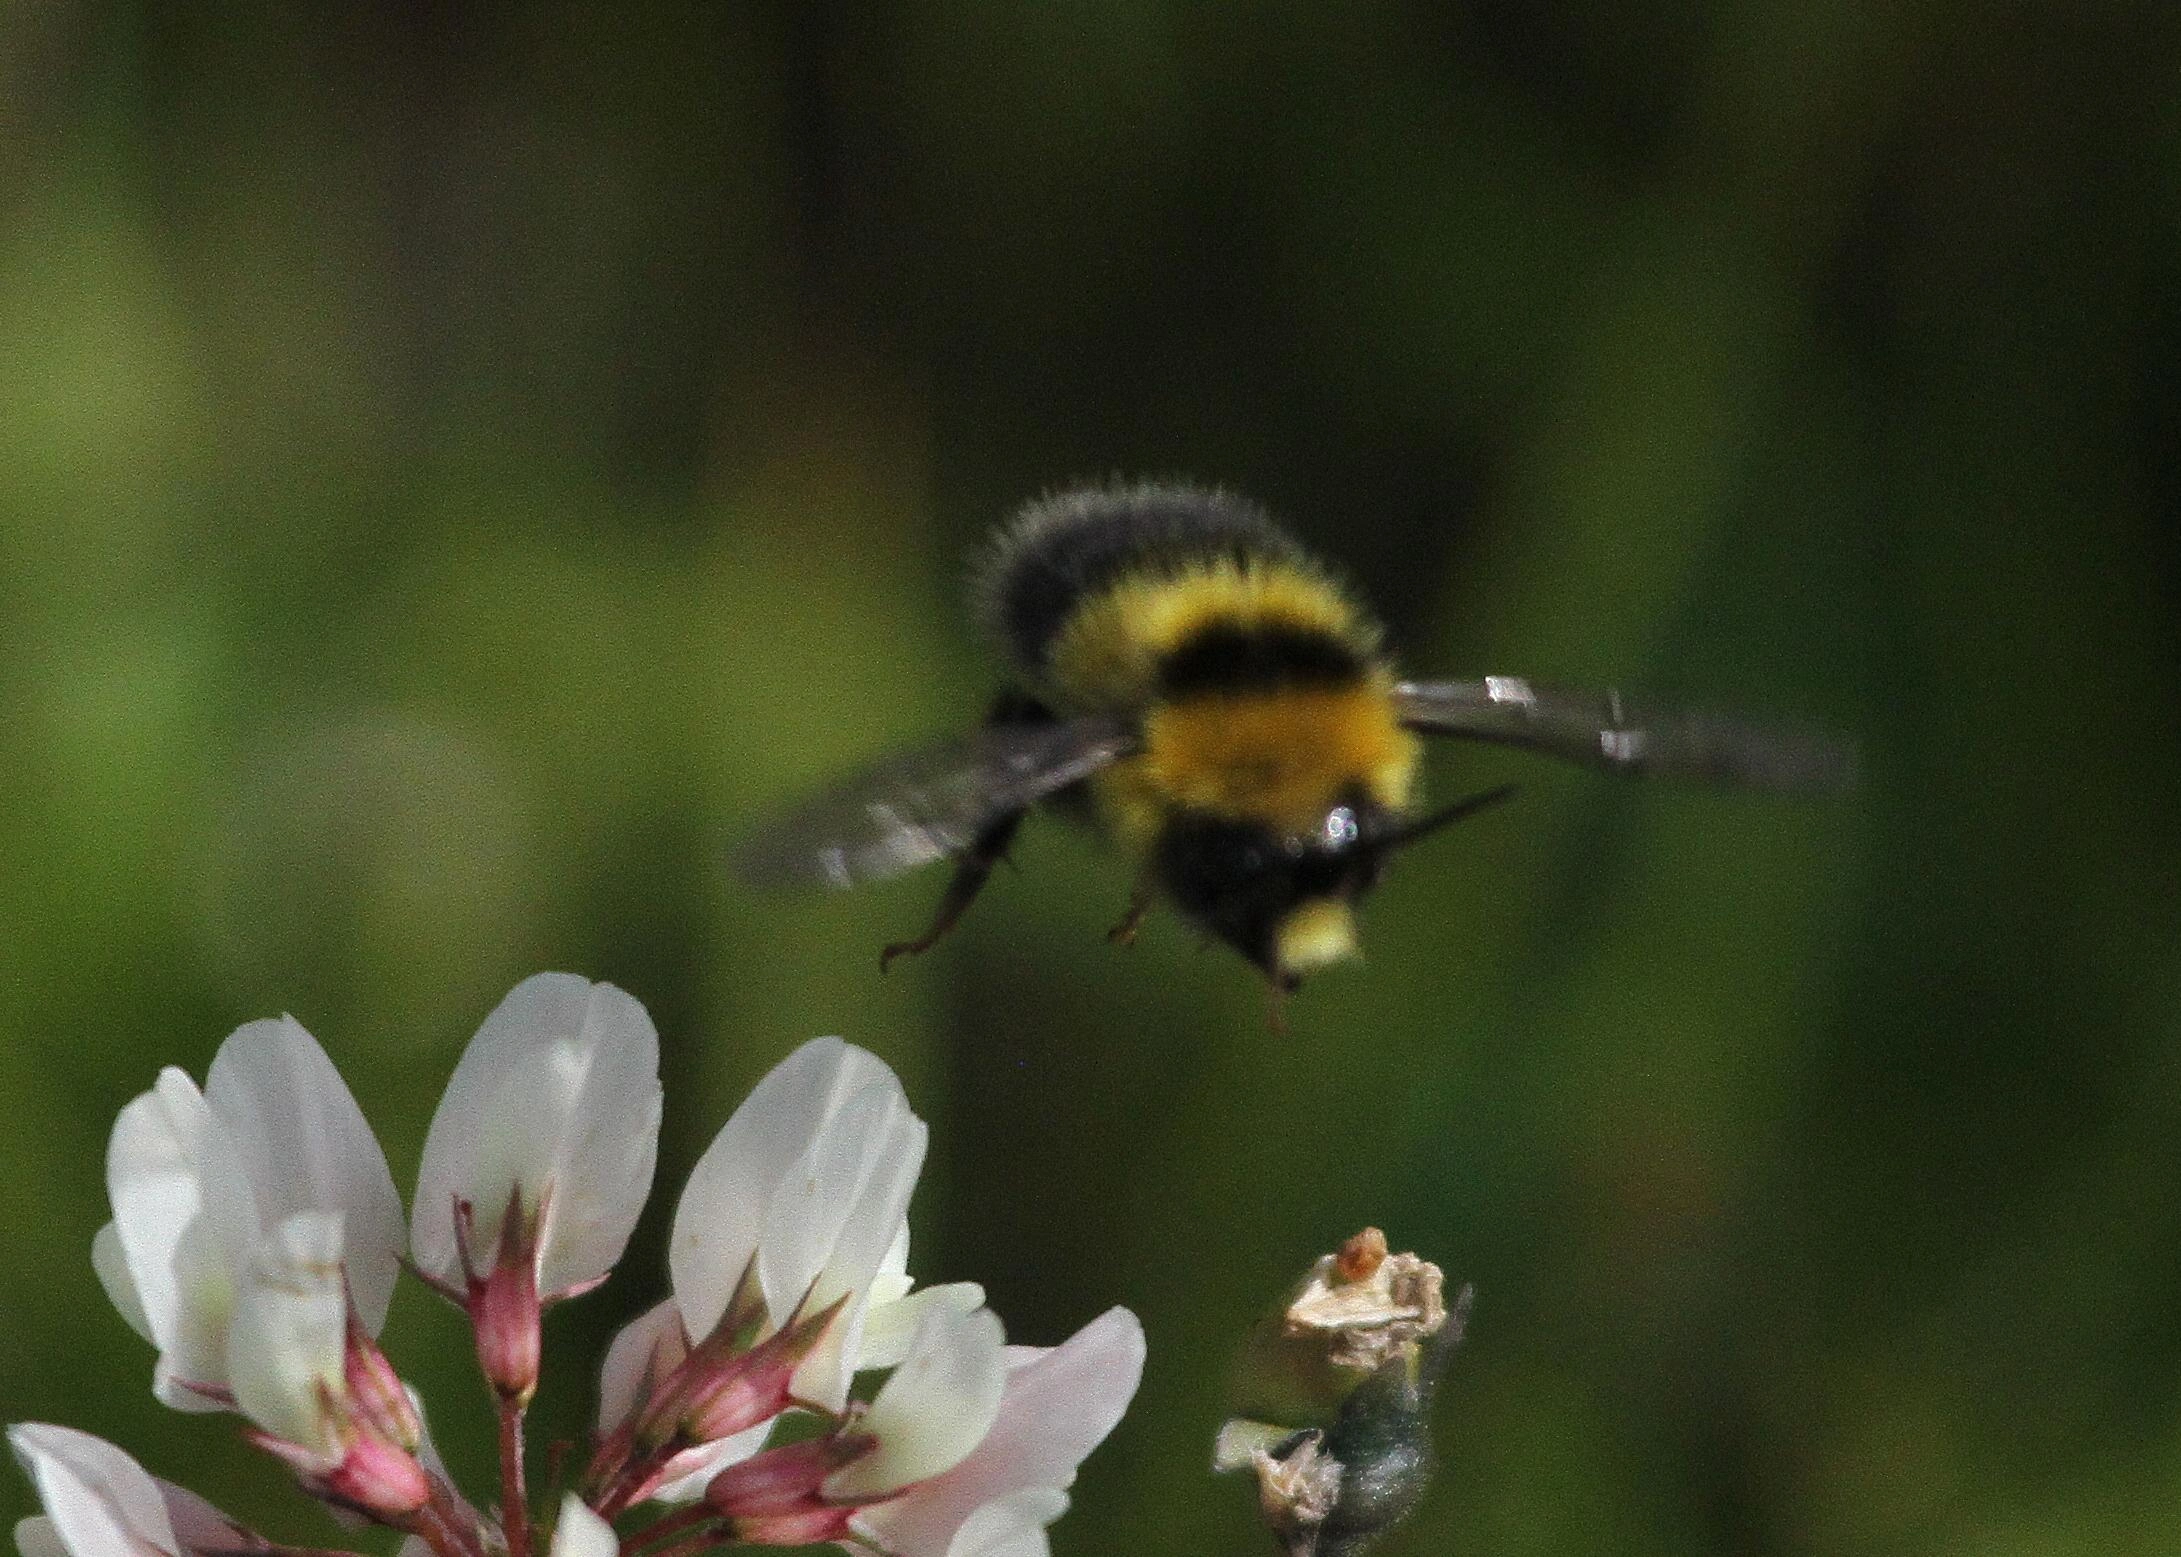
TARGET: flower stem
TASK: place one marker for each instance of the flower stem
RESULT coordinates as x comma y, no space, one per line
604,1468
514,1497
634,1482
609,1501
442,1534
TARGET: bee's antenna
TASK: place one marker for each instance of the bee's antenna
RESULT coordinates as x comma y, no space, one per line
1461,810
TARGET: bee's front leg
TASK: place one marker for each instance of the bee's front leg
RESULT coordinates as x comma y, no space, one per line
986,850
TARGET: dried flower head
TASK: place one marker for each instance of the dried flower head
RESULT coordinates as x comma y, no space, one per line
1362,1305
1339,1439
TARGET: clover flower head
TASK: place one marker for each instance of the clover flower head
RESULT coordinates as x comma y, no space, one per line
256,1239
200,1181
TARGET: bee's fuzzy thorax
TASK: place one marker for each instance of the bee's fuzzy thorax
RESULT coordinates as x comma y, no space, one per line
1282,757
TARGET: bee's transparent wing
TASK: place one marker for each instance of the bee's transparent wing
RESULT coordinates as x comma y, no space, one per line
927,804
1602,730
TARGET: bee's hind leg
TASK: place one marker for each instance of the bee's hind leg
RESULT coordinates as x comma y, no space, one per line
986,850
1139,904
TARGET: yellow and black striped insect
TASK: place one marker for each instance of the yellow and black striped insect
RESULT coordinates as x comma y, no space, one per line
1188,679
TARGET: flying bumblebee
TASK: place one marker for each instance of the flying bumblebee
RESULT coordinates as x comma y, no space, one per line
1216,702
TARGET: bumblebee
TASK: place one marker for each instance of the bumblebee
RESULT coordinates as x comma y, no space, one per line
1191,681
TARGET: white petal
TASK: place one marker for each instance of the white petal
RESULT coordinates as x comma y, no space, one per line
647,1348
889,1327
934,1409
100,1502
153,1183
842,1205
284,1352
304,1146
111,1263
895,1267
199,1526
1013,1526
206,1274
830,1227
36,1537
581,1533
185,1217
823,1378
1062,1405
1056,1408
609,1148
723,1210
558,1095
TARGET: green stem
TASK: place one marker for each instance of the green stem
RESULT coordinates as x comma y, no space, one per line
514,1504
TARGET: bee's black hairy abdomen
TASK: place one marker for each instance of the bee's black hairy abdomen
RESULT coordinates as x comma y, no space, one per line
1069,545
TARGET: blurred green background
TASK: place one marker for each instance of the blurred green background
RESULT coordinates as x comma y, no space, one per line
461,463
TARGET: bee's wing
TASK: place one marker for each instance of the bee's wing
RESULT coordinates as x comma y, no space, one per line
1601,730
926,804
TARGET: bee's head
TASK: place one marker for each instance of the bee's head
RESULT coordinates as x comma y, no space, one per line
1287,903
1284,902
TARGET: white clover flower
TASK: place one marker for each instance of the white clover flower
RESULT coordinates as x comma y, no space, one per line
796,1215
1057,1405
100,1503
554,1107
801,1201
255,1242
198,1179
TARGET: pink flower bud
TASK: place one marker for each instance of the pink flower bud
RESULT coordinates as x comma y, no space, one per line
382,1479
721,1393
807,1525
375,1393
783,1479
776,1498
504,1308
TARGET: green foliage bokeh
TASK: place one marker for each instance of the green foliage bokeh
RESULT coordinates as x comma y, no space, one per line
461,466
